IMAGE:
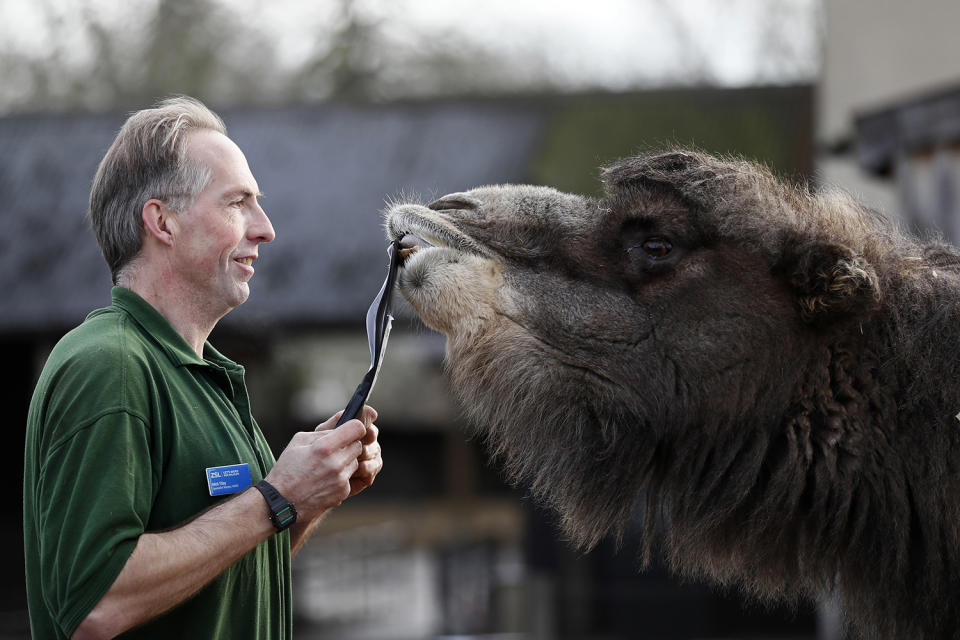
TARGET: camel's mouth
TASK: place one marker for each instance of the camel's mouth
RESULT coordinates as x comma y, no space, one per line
418,228
409,245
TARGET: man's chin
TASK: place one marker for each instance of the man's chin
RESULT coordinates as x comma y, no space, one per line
242,294
238,296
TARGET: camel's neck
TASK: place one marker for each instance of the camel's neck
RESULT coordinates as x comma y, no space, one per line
836,489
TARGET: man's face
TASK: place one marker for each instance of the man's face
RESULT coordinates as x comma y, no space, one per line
221,231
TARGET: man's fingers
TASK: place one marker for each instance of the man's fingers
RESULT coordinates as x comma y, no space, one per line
355,447
370,451
330,422
368,415
364,476
350,431
368,468
371,435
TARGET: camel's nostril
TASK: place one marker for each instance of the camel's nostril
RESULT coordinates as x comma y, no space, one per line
453,203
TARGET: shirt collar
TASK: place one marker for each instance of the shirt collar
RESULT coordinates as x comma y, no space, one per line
154,324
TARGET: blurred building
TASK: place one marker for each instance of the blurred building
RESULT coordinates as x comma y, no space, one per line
439,546
888,108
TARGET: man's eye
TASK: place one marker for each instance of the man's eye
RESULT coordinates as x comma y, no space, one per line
655,247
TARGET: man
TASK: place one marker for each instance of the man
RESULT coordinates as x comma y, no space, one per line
144,509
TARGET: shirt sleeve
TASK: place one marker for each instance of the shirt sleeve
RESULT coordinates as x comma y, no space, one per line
96,491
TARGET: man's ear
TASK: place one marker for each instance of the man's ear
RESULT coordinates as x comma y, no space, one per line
159,221
830,281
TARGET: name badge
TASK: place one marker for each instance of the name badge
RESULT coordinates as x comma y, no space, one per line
228,479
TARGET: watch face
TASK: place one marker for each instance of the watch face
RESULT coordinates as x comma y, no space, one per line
282,512
284,517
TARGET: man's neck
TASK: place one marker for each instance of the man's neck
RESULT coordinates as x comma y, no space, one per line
179,306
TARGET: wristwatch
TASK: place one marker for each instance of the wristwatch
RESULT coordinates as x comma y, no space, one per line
282,512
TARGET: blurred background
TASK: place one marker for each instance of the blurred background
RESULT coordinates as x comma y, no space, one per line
342,105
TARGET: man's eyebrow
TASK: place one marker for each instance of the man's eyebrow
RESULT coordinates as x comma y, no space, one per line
242,191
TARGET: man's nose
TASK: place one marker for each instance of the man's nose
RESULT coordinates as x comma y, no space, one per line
260,228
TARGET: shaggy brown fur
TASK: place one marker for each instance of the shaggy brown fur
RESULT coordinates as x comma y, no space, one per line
777,370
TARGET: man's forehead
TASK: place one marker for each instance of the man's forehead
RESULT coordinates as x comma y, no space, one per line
220,154
208,142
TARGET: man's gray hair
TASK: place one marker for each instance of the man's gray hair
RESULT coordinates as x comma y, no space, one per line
147,160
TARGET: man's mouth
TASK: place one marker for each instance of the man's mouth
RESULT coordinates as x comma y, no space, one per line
248,261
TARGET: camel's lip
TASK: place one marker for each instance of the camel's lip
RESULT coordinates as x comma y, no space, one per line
405,220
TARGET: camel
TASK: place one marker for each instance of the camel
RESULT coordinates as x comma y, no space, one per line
772,371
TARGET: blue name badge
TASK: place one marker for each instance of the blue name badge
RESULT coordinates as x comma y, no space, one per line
228,479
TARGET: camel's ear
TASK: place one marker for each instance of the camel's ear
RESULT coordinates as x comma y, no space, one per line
829,280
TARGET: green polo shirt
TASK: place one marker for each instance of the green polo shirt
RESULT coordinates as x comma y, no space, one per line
124,421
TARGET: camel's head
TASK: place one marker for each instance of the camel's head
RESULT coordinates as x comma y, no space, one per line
584,333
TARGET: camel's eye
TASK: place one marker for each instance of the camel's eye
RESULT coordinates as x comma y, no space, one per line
655,247
651,252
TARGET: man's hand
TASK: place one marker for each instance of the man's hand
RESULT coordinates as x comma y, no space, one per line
369,461
320,469
366,464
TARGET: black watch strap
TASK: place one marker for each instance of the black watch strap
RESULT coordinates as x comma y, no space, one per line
282,512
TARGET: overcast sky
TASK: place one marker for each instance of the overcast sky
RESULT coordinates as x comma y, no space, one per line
614,42
623,41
